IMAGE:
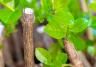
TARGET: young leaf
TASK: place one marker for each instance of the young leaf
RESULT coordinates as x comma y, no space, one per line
16,3
80,24
15,16
4,15
77,41
53,49
74,7
59,23
43,56
23,3
58,57
61,58
9,19
6,1
54,31
93,25
59,5
46,6
45,10
93,6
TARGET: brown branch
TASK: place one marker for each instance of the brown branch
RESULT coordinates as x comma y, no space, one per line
17,47
73,56
27,23
7,53
84,59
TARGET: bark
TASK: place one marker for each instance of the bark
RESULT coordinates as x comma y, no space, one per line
84,59
73,56
7,53
27,23
17,44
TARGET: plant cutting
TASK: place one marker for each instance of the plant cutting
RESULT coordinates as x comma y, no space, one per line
64,21
27,23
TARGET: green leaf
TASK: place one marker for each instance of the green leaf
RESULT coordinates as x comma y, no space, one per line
78,42
6,1
58,24
46,6
80,24
93,6
58,57
4,15
7,16
43,56
93,25
12,21
15,16
60,4
53,49
16,3
22,4
44,11
26,3
9,19
74,7
1,0
61,58
54,31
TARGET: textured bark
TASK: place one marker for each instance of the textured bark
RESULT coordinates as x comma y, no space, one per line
17,44
7,53
84,59
27,23
73,56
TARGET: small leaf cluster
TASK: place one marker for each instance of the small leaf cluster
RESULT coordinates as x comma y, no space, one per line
53,57
62,22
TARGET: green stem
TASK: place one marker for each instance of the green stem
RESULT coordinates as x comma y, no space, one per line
5,5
